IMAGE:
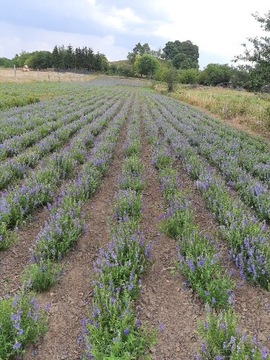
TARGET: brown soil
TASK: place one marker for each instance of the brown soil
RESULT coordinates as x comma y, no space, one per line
16,258
165,302
68,299
252,304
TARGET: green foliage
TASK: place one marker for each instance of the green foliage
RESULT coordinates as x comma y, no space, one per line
13,100
128,205
256,55
41,276
222,339
200,265
21,322
6,63
63,58
184,55
146,65
215,74
118,335
188,76
139,49
39,60
57,238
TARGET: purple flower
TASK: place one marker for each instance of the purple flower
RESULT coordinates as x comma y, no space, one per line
264,353
17,345
203,347
126,331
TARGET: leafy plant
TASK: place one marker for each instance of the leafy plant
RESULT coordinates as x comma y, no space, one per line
21,322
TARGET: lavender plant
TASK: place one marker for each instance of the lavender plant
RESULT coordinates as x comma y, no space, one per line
113,330
22,321
223,340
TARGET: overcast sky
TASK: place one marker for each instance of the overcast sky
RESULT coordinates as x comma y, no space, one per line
113,27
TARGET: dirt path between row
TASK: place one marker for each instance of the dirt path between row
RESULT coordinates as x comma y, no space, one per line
165,302
63,340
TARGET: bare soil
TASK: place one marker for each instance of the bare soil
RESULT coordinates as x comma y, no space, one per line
68,299
165,303
16,258
252,304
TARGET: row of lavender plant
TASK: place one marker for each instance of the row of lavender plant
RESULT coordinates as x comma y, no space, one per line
66,222
218,151
19,166
198,254
19,121
221,337
41,188
21,318
113,330
247,237
21,321
15,145
249,153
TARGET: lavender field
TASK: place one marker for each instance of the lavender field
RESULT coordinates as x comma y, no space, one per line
131,227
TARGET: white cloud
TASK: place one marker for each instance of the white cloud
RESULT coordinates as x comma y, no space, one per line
15,39
216,27
115,18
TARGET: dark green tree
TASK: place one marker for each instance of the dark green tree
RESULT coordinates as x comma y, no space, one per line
184,55
19,60
100,62
39,60
215,74
146,65
6,63
56,61
139,49
170,77
188,76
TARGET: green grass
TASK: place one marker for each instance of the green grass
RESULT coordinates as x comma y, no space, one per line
13,94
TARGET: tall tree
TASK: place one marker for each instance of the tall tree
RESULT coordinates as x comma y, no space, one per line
256,55
184,55
56,62
39,60
139,49
146,65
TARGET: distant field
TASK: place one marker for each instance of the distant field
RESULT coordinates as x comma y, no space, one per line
28,87
9,75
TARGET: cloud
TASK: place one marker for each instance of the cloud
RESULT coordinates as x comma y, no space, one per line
116,18
30,39
115,26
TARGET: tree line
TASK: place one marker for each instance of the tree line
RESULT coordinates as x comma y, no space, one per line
176,62
61,58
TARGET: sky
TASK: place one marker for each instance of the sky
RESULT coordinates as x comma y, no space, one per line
114,27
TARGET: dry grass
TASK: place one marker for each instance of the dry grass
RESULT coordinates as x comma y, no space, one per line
247,111
20,76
